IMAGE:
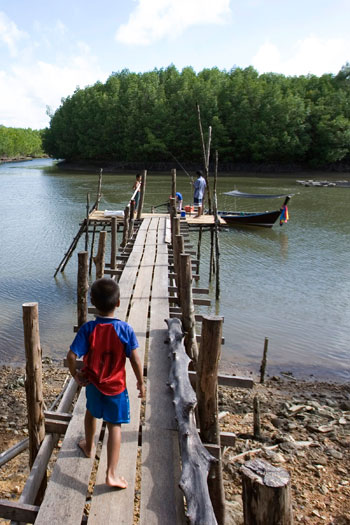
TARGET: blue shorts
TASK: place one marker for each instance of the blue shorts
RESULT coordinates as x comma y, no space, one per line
113,409
197,202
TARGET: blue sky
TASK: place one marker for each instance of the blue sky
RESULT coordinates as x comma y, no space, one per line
48,48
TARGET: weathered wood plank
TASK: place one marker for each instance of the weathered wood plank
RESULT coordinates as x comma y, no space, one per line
119,508
20,512
225,380
161,499
66,492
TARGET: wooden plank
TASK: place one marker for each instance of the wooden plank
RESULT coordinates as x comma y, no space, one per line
20,512
56,426
225,380
65,495
120,508
161,498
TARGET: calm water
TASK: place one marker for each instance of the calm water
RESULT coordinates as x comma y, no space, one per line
290,284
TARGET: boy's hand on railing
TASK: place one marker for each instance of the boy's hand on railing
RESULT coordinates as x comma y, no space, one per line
141,389
80,378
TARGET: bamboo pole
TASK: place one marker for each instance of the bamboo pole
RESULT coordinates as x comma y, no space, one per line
87,221
207,395
180,248
188,314
173,183
99,260
216,229
199,248
83,287
142,194
206,155
114,233
99,190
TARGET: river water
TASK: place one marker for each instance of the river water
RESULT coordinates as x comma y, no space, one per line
290,284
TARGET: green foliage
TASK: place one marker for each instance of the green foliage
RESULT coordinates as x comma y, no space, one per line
18,142
255,118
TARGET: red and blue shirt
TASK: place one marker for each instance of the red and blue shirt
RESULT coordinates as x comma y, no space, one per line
104,344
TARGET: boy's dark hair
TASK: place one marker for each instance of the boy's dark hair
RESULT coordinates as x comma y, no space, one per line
199,173
105,294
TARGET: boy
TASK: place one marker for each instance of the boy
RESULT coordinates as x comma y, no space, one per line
104,345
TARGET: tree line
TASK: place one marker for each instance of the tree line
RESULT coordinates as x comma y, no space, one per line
140,117
20,142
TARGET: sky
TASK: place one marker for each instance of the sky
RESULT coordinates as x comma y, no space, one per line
48,48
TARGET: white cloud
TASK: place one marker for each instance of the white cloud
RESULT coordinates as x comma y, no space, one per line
10,35
26,90
312,55
153,20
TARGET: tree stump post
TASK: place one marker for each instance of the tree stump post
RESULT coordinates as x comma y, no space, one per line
113,242
266,494
99,260
188,316
33,382
207,396
83,287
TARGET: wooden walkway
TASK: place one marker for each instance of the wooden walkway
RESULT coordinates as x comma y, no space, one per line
145,305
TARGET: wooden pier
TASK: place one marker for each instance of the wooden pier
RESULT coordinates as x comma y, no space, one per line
162,455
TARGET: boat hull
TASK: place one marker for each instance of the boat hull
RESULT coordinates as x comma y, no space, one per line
261,220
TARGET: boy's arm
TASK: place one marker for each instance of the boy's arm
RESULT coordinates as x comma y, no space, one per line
72,365
137,368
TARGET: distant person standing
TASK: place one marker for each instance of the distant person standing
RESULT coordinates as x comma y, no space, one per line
199,189
179,201
137,186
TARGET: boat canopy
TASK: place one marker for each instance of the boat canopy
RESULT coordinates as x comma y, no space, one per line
236,193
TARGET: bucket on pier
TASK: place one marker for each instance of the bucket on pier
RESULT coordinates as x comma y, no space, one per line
189,209
183,214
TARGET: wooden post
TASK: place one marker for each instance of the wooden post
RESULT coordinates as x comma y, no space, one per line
131,220
87,221
188,315
256,413
264,359
173,183
266,494
199,248
113,242
33,385
216,229
99,190
142,194
126,226
83,287
172,206
211,261
99,260
207,395
180,248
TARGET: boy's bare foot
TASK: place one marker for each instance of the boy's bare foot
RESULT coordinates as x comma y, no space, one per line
117,482
83,447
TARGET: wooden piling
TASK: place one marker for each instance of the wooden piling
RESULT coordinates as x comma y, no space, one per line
207,396
126,226
199,248
99,260
131,220
114,233
188,314
142,194
33,385
256,414
264,361
179,249
266,494
82,288
216,229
